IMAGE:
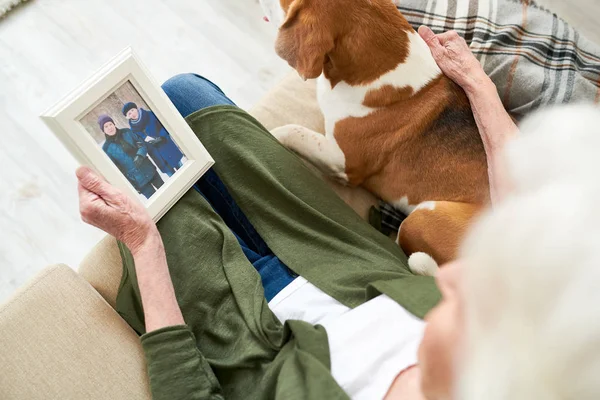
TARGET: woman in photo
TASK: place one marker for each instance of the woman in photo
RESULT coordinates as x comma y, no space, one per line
130,155
162,148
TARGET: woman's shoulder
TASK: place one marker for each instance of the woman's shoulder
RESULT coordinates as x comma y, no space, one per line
149,114
109,147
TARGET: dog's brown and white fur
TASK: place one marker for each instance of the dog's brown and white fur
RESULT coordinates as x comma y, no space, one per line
394,123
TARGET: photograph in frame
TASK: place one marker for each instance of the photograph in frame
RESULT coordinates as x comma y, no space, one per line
121,123
131,135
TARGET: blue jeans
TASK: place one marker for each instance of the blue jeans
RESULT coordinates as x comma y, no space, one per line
190,93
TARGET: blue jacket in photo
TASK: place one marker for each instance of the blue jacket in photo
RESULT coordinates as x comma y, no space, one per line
166,154
122,148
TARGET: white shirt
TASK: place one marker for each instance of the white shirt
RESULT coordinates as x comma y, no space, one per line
369,345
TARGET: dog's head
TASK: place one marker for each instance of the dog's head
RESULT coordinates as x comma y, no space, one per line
306,33
313,33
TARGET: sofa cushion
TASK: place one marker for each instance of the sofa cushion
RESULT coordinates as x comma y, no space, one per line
292,101
61,340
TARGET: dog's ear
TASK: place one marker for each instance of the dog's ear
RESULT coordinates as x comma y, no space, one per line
304,40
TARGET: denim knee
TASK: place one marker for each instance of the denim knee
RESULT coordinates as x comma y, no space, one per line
183,81
191,92
172,84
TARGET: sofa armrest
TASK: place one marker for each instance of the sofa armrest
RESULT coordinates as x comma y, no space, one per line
61,340
102,268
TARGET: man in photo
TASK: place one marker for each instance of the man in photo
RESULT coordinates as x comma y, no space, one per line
162,149
130,155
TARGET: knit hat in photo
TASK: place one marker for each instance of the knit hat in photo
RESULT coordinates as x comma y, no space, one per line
103,119
128,106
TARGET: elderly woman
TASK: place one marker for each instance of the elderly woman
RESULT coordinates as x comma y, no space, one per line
130,155
267,290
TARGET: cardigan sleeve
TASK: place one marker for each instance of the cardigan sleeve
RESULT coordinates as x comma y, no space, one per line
176,368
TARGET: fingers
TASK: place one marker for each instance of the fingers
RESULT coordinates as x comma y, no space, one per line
88,204
86,175
428,35
83,193
85,196
94,183
448,37
433,41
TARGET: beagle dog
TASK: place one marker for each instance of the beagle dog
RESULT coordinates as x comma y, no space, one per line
394,123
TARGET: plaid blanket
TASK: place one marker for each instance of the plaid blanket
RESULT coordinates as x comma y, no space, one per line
535,58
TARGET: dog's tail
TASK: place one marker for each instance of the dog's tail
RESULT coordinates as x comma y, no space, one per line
422,264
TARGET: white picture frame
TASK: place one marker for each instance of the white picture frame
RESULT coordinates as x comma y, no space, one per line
64,119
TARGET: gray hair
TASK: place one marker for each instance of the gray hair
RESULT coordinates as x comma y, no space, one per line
532,279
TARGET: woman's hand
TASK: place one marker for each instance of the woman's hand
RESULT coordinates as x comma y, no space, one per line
496,127
455,59
105,207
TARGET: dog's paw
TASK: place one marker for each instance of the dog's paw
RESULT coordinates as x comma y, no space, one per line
280,132
422,264
284,133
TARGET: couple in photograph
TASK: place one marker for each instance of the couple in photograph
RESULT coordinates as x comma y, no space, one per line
130,149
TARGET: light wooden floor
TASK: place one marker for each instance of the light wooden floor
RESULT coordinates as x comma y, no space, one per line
48,47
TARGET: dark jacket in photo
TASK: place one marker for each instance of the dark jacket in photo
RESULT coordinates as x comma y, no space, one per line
165,154
122,149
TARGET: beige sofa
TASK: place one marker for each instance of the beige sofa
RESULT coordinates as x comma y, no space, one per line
61,337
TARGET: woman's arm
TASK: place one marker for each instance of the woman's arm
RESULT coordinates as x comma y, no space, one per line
176,368
156,288
496,127
105,207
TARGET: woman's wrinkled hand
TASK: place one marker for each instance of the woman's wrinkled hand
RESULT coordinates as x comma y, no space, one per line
455,59
107,208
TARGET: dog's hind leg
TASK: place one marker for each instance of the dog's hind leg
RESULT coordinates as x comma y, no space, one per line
432,233
323,153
